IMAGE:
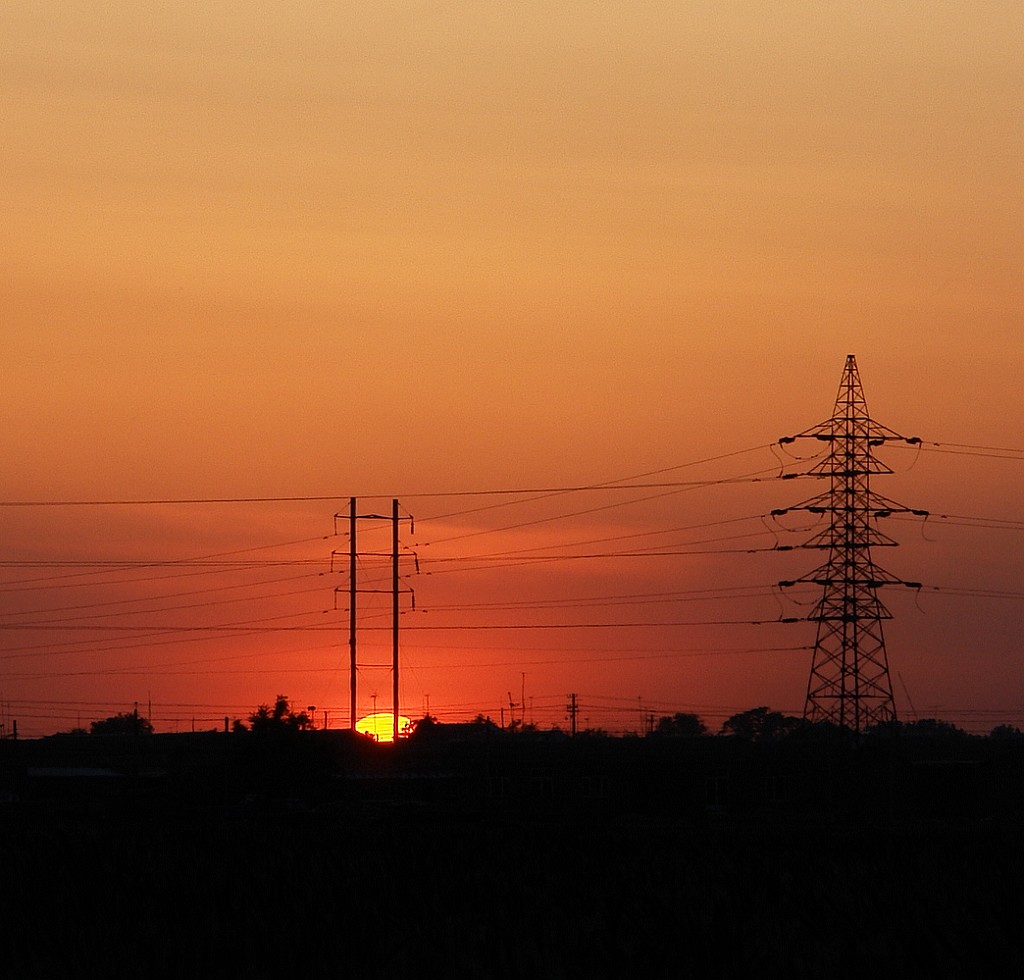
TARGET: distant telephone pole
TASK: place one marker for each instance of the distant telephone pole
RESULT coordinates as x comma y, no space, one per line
352,593
394,616
573,710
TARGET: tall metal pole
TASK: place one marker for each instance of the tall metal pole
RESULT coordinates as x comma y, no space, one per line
849,684
352,591
394,613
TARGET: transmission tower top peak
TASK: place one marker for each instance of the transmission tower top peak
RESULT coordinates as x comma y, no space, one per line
850,418
850,400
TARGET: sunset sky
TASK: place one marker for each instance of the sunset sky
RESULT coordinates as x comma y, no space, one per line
313,250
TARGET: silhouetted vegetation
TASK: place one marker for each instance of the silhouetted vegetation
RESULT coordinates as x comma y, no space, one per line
680,725
1010,732
760,725
931,728
423,727
125,723
279,718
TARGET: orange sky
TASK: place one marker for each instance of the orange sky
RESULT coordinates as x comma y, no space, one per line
329,249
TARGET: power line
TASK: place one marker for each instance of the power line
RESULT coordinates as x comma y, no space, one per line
622,483
192,605
159,670
596,626
756,476
629,536
169,595
965,449
160,629
618,484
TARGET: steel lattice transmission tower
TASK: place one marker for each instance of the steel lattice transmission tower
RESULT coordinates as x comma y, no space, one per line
849,683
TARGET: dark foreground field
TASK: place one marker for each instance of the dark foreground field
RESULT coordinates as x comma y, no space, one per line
391,891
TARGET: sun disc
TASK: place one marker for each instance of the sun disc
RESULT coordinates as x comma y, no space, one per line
381,726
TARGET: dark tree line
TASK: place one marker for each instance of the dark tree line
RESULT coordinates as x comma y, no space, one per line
124,723
759,724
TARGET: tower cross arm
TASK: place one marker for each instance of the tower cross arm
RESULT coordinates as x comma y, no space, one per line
880,506
874,432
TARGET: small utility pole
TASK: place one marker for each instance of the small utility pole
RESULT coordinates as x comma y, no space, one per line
573,708
394,615
352,592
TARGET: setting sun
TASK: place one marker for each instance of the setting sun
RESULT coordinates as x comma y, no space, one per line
382,726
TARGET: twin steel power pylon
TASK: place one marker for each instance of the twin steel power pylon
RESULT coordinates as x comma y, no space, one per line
849,683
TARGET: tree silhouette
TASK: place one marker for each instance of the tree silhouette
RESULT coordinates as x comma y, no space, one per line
1006,732
279,718
759,725
931,728
125,723
680,725
424,727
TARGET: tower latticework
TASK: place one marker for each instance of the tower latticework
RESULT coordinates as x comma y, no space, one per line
849,684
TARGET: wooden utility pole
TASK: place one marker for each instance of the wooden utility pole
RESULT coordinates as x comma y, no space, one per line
394,614
352,611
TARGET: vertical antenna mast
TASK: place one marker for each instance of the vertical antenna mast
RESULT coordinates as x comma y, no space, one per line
849,684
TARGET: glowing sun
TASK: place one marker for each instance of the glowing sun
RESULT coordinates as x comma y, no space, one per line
381,726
